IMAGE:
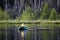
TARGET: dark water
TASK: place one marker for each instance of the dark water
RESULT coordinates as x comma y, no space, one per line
13,33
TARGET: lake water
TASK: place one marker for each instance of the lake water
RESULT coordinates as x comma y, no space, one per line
12,33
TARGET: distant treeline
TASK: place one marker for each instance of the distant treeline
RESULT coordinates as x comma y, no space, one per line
16,8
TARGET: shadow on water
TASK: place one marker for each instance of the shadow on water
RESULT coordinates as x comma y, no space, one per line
12,33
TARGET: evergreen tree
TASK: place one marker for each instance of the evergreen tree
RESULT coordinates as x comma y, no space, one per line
45,12
53,14
4,15
27,14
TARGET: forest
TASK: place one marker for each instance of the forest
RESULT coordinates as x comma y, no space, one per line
16,8
30,15
29,12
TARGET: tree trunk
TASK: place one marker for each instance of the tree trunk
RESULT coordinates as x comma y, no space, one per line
39,5
35,4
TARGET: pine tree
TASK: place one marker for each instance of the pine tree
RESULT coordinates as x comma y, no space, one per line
4,15
45,12
27,14
53,14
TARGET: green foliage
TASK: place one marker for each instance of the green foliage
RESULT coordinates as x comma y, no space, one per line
27,14
53,14
45,12
37,14
4,15
58,16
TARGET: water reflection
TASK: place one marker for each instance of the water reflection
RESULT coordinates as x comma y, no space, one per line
12,33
